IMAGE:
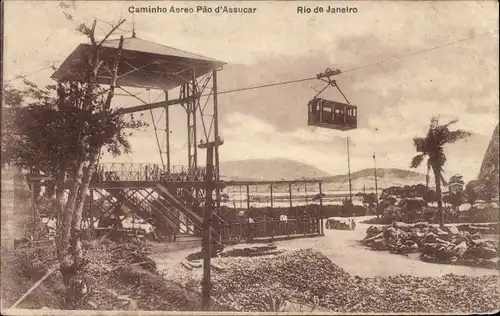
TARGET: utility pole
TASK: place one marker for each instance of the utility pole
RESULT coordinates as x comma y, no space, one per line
207,219
349,170
376,185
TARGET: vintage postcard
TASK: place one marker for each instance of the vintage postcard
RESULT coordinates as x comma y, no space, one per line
224,157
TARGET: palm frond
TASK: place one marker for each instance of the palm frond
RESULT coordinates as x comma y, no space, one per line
417,160
441,158
434,122
456,135
442,179
451,123
420,144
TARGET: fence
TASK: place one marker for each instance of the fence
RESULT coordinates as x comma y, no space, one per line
148,172
271,229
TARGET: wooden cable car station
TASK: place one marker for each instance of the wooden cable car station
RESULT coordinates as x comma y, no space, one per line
164,195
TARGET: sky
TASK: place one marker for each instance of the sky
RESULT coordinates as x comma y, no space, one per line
396,91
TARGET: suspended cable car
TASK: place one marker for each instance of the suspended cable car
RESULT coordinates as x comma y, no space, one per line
332,114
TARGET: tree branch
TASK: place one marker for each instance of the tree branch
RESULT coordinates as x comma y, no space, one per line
92,34
111,32
114,78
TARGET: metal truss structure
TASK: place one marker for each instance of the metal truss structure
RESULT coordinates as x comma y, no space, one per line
174,195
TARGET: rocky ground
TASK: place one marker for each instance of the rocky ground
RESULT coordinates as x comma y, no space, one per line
119,276
329,273
461,244
308,279
336,272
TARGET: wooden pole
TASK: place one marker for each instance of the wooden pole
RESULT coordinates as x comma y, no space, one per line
207,216
349,169
376,185
33,206
241,198
321,207
91,214
207,223
216,138
271,190
167,133
54,268
248,197
290,194
305,193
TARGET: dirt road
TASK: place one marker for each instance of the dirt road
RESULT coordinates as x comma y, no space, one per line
343,248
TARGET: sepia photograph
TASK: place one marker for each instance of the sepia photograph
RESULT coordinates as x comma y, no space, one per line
249,157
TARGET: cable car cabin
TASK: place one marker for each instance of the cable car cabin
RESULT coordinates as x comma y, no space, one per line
334,115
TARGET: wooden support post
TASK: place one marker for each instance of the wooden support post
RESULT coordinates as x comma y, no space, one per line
91,214
290,194
321,210
271,190
207,223
167,134
216,138
248,197
33,206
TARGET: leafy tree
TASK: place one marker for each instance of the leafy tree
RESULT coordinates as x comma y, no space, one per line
485,190
470,192
456,183
432,147
61,131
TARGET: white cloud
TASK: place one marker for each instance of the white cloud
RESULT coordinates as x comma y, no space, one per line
396,99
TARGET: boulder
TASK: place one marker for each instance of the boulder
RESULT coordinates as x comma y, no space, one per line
401,225
484,243
458,238
453,230
373,238
441,232
390,232
430,237
488,253
411,245
476,236
495,261
372,231
421,224
379,244
444,242
460,249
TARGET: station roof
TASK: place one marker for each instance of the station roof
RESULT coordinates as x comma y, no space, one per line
159,67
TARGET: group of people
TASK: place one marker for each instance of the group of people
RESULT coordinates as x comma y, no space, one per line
352,223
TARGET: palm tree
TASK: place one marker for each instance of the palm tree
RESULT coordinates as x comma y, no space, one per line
431,146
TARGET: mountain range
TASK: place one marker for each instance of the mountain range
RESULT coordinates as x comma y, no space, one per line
285,169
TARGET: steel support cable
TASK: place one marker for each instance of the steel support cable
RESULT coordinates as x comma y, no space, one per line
361,67
311,78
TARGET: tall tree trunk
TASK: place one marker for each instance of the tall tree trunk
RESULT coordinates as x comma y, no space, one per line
437,177
76,247
427,179
66,242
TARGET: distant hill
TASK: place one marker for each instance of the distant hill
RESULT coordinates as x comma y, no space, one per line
269,170
386,177
285,169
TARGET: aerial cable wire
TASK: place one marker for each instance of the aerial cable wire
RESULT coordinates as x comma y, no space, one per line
315,78
361,67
